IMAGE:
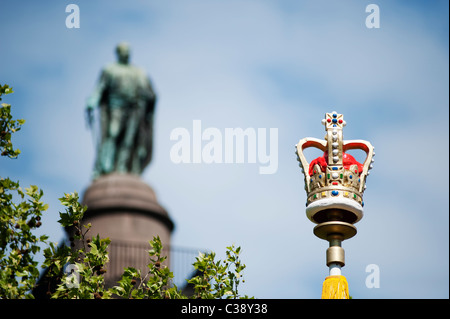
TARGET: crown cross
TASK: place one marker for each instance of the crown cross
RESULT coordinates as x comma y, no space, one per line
334,124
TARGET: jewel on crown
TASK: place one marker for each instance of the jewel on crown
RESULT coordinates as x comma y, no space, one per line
335,180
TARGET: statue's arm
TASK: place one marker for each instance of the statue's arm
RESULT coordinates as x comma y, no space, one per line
95,98
151,98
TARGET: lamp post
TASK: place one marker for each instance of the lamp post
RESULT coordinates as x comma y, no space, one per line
335,183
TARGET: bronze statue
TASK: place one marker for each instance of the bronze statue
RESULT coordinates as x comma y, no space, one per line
126,102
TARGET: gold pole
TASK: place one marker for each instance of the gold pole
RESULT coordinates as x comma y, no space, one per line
335,184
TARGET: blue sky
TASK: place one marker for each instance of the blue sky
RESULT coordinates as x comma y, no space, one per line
254,64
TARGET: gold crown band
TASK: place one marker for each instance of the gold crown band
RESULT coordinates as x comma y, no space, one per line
320,182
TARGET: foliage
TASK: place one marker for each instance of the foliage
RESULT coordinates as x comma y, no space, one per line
156,284
85,261
219,279
18,244
7,126
79,269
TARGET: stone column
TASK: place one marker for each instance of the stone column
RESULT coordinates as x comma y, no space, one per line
125,209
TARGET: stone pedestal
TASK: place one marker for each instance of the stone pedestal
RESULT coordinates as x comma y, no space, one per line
125,209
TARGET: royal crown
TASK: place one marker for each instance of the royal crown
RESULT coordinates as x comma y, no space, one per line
335,181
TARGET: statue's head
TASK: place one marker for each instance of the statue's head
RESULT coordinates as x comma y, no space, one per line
123,52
